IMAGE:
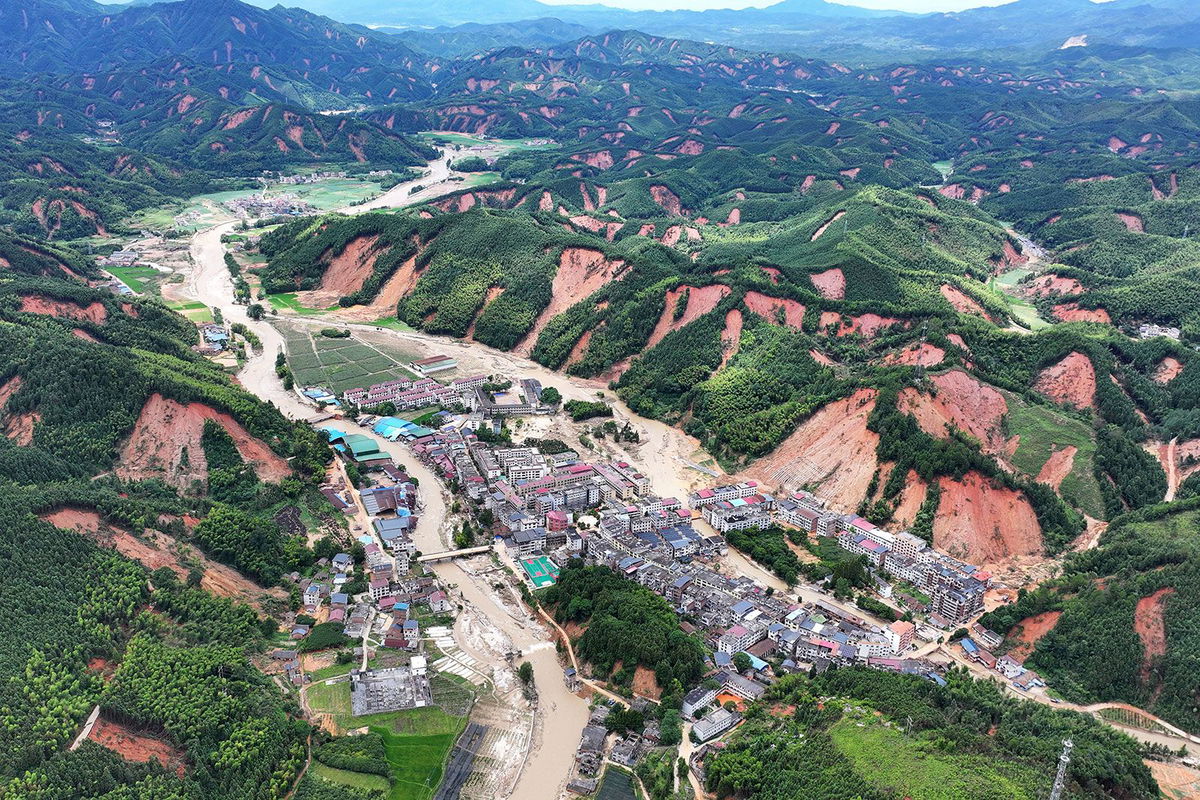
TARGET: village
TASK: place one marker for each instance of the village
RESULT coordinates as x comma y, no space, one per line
540,507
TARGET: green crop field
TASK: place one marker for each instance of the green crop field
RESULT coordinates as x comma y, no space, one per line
359,780
1021,308
195,311
289,302
340,364
910,767
137,277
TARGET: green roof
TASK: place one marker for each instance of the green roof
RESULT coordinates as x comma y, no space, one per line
360,445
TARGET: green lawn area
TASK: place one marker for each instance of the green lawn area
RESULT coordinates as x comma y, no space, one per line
392,323
1044,430
1021,308
417,761
137,276
359,780
911,767
470,141
418,741
195,311
289,302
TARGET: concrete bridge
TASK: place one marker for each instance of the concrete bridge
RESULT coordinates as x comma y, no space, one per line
447,555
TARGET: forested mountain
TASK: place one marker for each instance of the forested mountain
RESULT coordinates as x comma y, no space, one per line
933,268
98,488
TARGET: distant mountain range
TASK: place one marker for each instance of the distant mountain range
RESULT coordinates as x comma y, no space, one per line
809,26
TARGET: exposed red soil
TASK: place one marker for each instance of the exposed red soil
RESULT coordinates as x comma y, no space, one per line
92,312
1029,631
1168,370
140,748
672,235
866,324
646,230
1071,312
962,303
954,191
809,180
1071,381
1051,284
1149,626
821,358
89,523
546,203
601,160
345,274
769,308
984,524
957,341
772,273
669,201
1092,179
492,293
593,225
19,427
911,498
922,354
731,337
577,350
735,217
700,301
1187,451
645,684
1058,466
963,402
1133,223
8,389
581,272
1012,256
400,284
821,230
830,284
166,428
832,450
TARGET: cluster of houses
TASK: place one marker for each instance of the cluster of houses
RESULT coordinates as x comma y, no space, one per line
1149,330
978,647
265,205
595,748
408,394
954,588
312,177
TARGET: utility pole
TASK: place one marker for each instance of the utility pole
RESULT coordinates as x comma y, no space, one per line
1064,761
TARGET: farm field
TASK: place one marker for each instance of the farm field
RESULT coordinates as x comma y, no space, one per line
207,209
339,364
137,277
464,140
195,311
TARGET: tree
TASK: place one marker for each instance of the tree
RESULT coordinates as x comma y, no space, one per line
742,662
525,673
255,311
551,396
